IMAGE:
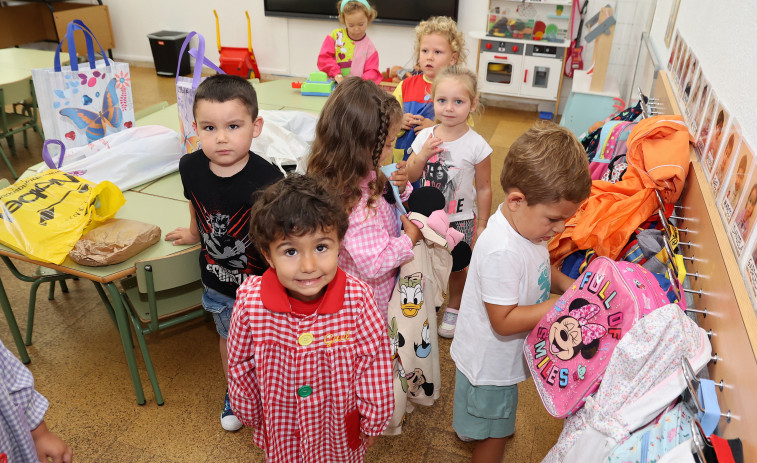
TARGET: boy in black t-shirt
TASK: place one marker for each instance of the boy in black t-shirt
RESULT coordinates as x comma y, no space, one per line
219,180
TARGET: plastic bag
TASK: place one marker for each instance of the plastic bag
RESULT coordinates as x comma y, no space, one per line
116,240
44,215
127,158
286,138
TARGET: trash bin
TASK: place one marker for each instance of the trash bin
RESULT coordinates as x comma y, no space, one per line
166,46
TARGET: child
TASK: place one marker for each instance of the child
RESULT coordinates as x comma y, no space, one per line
219,180
23,433
462,155
353,137
545,177
348,51
725,160
438,44
737,183
744,221
309,356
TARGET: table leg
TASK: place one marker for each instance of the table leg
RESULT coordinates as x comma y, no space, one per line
124,331
12,325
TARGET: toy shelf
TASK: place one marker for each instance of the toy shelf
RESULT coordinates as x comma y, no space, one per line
483,36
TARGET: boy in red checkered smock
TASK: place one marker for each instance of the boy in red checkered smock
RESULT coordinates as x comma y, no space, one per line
309,360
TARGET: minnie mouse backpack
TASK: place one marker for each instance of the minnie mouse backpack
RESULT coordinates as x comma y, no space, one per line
568,351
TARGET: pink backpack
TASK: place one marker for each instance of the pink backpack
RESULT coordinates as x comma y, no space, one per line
568,351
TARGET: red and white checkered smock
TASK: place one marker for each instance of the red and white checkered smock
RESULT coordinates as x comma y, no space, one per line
373,249
345,367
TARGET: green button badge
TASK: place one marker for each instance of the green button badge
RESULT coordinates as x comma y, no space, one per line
304,391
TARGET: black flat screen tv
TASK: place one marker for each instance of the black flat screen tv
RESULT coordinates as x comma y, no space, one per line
404,12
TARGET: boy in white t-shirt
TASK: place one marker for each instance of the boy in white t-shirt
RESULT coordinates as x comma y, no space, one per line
545,177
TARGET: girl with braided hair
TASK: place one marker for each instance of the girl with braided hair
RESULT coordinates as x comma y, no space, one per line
354,136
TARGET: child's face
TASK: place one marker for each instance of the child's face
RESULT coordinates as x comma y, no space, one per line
749,207
226,131
538,223
305,264
739,181
435,54
357,23
391,137
452,102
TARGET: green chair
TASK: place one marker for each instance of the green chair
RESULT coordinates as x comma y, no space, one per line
22,118
41,275
164,292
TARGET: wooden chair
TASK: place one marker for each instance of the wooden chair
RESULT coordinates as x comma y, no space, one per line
164,292
22,118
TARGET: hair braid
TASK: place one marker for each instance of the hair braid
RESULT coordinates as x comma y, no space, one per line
383,131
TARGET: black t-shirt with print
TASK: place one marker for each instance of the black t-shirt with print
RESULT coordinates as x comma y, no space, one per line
222,206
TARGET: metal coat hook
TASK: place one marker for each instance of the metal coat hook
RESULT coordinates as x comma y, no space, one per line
698,438
703,312
694,291
692,381
710,333
715,359
676,217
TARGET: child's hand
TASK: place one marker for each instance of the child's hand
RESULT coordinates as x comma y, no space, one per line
49,445
339,78
423,123
431,147
411,229
410,120
399,176
182,236
369,440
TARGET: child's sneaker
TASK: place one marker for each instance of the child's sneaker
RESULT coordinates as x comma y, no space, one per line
229,422
447,328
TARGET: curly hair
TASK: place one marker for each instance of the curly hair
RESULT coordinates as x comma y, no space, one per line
350,136
353,6
296,205
446,27
547,164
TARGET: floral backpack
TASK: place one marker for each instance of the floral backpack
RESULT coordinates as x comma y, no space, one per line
568,351
650,443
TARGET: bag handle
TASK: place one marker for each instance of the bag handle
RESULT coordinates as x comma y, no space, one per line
75,25
199,56
47,157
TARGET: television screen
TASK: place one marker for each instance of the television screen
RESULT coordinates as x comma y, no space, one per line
389,11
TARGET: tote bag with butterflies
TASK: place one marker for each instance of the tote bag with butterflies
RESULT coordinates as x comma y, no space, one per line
79,104
186,89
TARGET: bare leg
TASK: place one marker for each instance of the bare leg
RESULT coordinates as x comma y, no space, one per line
224,357
456,284
489,450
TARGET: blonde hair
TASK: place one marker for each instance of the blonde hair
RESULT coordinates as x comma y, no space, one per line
464,76
353,6
447,28
547,164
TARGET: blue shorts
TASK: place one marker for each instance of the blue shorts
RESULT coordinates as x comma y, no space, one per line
221,306
481,412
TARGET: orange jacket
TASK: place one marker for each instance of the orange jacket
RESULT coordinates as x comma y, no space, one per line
658,159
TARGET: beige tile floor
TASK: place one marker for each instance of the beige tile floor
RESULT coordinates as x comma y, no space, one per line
78,363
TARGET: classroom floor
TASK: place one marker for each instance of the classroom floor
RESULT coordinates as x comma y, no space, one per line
78,362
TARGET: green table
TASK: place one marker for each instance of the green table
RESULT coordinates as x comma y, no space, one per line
160,202
166,213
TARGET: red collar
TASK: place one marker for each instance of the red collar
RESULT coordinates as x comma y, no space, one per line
275,298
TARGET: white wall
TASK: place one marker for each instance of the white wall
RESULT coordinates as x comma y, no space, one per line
281,45
722,36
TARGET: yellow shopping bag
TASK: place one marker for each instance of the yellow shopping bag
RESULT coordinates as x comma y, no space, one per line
44,215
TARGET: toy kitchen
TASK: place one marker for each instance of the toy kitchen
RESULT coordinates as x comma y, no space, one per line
521,53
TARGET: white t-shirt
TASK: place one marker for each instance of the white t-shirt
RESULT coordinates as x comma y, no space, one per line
505,269
453,170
